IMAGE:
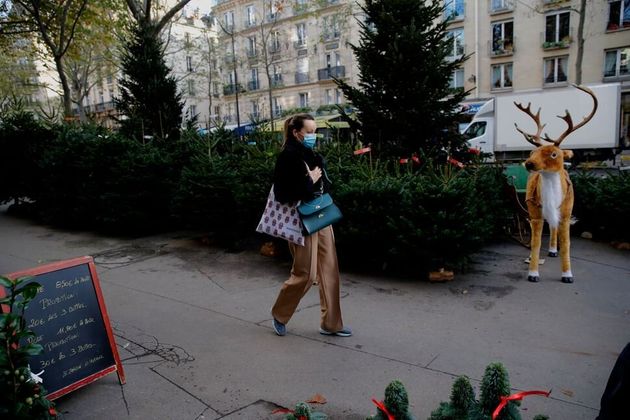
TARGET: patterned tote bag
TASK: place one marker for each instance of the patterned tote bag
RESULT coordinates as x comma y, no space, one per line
281,220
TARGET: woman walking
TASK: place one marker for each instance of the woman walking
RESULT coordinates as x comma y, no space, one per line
300,176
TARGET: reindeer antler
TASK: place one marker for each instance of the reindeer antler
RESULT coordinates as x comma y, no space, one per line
532,138
569,121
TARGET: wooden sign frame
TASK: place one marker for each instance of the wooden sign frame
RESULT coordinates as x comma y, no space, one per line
117,367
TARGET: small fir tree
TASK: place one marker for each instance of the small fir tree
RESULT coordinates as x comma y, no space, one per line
149,101
494,385
396,401
404,100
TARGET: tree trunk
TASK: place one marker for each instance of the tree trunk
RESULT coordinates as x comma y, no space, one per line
67,98
580,36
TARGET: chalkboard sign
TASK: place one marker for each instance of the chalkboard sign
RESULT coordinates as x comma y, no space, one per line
69,319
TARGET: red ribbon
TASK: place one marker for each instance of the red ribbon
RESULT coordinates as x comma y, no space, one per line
455,162
519,396
362,151
381,406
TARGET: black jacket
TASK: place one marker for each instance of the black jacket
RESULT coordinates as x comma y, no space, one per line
291,180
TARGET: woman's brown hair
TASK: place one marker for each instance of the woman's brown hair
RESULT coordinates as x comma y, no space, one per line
295,122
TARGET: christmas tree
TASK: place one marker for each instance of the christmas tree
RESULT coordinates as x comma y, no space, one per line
150,105
404,100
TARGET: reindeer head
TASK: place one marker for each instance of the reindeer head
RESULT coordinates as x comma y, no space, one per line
551,158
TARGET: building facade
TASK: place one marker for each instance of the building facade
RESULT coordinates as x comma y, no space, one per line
533,45
277,56
514,46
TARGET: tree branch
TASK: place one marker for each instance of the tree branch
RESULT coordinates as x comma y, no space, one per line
169,15
135,10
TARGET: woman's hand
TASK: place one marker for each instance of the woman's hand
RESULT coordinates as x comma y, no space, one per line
315,174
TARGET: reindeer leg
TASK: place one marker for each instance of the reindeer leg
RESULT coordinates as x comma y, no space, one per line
565,245
553,242
537,225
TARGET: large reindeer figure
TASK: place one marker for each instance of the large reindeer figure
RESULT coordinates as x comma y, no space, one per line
549,190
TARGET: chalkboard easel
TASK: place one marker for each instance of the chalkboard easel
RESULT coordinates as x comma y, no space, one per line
69,319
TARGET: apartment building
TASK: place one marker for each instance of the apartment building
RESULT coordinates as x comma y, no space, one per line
531,45
294,47
191,54
515,45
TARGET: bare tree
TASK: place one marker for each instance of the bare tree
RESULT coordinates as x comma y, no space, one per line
145,13
56,24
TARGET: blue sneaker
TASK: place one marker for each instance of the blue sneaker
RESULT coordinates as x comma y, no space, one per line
279,327
344,332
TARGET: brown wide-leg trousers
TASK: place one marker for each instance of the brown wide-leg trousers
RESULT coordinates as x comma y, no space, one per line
316,261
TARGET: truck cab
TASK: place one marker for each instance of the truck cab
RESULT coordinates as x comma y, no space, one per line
480,132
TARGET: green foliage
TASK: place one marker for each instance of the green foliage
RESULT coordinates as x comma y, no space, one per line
149,99
303,411
462,406
98,179
433,216
540,417
494,385
404,101
22,141
20,396
602,204
396,401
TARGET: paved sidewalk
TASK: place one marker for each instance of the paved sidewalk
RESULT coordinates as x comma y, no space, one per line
192,325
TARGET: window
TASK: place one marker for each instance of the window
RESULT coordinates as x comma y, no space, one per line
187,39
191,87
475,130
304,100
556,70
231,77
338,96
333,59
457,79
619,15
617,63
228,19
277,107
329,96
557,28
502,38
301,33
274,45
255,109
251,46
500,5
192,111
217,111
277,74
454,9
189,65
502,76
457,38
250,12
331,27
253,85
215,88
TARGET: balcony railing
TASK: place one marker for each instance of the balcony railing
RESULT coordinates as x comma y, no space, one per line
299,44
330,72
301,78
231,89
253,85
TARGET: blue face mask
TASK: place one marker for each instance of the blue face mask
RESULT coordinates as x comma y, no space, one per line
309,140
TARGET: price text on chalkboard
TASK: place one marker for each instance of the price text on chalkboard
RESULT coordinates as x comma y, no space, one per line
69,319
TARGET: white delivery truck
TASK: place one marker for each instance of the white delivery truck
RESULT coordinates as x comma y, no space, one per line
492,128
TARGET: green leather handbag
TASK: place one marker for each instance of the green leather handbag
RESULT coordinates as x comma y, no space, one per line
318,213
